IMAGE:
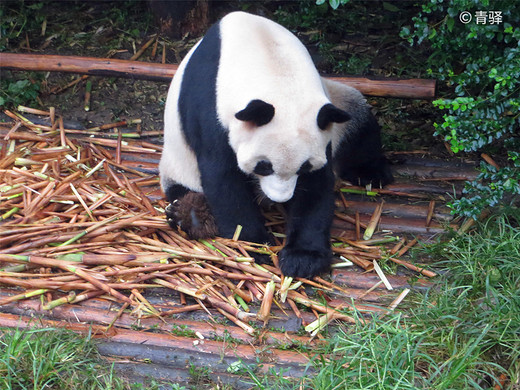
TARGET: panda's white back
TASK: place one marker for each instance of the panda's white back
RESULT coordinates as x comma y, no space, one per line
178,161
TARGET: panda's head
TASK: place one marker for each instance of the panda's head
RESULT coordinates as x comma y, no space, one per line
276,145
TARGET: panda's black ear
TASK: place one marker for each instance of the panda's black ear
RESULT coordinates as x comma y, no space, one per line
330,113
257,111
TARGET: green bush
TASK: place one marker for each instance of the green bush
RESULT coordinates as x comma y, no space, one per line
480,65
15,92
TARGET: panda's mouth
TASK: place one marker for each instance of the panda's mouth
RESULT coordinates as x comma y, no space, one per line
278,189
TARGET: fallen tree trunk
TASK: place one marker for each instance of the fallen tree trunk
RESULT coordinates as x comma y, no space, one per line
397,88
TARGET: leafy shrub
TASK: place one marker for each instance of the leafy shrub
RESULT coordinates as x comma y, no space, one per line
480,67
333,3
16,92
480,63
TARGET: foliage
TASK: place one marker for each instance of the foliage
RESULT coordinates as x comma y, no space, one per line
15,92
17,18
379,354
477,308
480,63
333,3
350,39
51,359
460,334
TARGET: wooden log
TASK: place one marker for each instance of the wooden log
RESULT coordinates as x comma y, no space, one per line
398,210
368,280
88,65
395,225
411,88
246,352
101,315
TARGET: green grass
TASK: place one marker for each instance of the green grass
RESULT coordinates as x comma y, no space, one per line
462,334
54,359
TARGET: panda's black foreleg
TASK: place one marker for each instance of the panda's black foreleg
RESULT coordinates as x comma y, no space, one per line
359,158
231,198
307,250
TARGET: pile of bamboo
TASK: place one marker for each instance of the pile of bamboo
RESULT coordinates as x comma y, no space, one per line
76,222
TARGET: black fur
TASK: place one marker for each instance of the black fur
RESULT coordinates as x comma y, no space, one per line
310,211
305,168
359,158
330,113
257,111
231,194
175,191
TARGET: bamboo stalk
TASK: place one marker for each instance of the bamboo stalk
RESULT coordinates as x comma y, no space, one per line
94,230
71,298
374,220
84,275
407,247
299,298
181,287
265,308
88,90
406,264
381,275
21,296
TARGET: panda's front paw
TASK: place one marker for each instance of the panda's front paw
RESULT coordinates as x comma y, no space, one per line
377,173
261,258
303,263
192,214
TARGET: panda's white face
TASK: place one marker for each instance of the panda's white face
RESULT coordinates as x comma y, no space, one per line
278,151
269,97
277,161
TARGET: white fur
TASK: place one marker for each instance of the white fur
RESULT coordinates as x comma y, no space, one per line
178,162
278,189
262,60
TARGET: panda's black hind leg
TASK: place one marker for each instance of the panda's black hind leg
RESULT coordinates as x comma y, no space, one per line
359,158
190,211
375,172
192,214
173,192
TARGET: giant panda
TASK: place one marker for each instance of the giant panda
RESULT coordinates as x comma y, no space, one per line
248,117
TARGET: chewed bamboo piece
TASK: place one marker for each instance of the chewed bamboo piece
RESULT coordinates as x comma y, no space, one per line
78,222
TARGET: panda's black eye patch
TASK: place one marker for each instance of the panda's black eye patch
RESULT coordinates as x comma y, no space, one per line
305,168
263,168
